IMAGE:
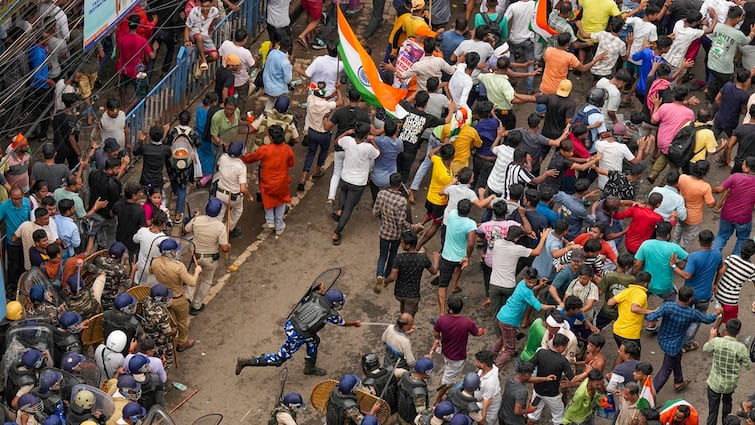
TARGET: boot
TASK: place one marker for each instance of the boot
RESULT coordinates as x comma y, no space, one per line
311,369
241,363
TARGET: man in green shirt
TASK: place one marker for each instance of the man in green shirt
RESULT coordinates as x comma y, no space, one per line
729,356
222,124
586,399
725,40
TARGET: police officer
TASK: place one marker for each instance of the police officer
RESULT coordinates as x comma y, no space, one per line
122,317
82,408
343,405
67,339
79,298
210,238
412,391
285,412
153,389
133,413
157,321
463,397
379,381
22,376
117,274
41,305
49,390
174,275
314,310
278,115
232,186
440,415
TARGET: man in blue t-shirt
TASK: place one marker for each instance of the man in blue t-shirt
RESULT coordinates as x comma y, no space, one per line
700,273
458,245
13,212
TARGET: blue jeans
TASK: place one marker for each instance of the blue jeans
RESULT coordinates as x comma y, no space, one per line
275,215
388,250
316,139
726,229
702,307
525,52
426,165
180,196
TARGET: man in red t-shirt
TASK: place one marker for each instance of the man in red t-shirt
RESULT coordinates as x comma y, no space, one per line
133,53
452,333
644,219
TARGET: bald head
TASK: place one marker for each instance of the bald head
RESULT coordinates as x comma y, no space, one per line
612,203
405,322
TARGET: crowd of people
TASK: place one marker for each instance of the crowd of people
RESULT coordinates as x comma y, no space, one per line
552,206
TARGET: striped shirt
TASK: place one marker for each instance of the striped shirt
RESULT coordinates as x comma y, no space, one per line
738,271
514,174
729,357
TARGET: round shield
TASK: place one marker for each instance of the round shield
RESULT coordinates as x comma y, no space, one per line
158,416
196,201
88,372
35,277
211,419
103,401
328,277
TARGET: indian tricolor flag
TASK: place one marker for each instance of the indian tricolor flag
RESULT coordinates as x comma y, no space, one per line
539,23
647,395
363,73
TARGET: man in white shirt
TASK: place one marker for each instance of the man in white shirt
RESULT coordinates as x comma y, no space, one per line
489,393
613,88
358,159
240,77
200,22
324,68
50,9
460,84
521,37
232,184
614,154
478,45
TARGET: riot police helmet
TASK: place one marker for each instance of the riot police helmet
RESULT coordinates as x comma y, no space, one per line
37,293
50,380
70,361
125,303
14,310
370,362
84,399
139,363
116,341
169,245
213,207
30,403
69,319
461,420
236,149
335,298
444,410
293,400
349,383
129,388
32,359
160,293
423,366
133,410
471,382
53,420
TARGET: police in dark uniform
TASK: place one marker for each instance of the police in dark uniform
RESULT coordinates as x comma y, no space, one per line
412,391
343,405
314,310
67,339
22,375
285,412
49,390
41,305
463,397
122,317
440,415
379,380
153,390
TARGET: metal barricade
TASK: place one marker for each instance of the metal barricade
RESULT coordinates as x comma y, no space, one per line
178,89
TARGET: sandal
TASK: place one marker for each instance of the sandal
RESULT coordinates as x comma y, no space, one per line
456,291
301,42
336,240
318,175
335,216
692,346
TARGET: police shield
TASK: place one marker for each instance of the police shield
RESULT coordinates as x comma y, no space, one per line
158,416
196,201
34,277
102,401
24,335
88,373
328,278
211,419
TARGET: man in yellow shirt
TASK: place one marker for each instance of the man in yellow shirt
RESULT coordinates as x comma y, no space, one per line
436,202
463,137
705,139
633,306
411,24
595,15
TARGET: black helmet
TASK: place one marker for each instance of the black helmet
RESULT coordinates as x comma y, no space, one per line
370,362
596,96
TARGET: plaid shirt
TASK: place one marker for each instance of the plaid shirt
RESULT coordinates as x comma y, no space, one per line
676,320
560,25
729,356
390,208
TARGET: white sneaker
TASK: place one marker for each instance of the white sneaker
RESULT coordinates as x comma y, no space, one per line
280,231
268,225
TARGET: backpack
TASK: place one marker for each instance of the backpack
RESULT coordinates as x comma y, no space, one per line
682,147
270,118
582,117
495,24
182,149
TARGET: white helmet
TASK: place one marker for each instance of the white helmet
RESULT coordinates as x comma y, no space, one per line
116,341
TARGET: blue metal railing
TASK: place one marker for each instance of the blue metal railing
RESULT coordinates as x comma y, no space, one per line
179,87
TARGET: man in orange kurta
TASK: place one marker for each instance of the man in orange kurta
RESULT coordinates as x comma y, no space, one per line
275,181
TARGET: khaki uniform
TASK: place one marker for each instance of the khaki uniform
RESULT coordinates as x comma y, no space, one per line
232,175
209,234
173,275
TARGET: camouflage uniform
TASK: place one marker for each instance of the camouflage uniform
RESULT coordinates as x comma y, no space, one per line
83,303
117,278
43,310
157,326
